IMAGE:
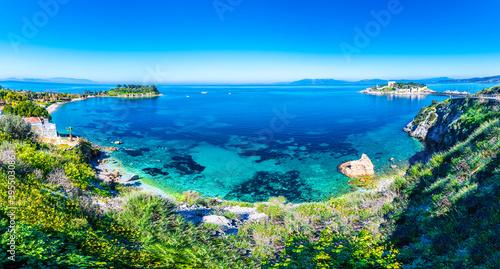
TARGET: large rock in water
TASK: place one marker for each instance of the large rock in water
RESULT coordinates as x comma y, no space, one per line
359,168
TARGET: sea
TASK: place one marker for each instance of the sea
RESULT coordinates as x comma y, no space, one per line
248,143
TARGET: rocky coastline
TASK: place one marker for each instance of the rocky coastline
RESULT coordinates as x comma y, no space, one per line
437,124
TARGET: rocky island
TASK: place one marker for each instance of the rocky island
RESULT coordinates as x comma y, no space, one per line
394,87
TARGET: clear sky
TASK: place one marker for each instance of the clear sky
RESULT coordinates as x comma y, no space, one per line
248,41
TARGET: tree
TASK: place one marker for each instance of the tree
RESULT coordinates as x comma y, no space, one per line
69,130
15,127
153,87
29,109
8,109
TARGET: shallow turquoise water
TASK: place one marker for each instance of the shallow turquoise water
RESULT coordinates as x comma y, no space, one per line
251,144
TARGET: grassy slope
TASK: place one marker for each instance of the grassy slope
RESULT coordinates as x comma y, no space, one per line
449,213
449,217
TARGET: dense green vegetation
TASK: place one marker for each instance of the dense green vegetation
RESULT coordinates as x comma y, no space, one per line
398,86
30,104
402,85
493,90
441,214
133,90
383,88
27,109
12,97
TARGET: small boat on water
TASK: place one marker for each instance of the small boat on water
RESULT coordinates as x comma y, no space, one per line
204,92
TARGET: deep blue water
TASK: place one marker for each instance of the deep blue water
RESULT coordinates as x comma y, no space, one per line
254,143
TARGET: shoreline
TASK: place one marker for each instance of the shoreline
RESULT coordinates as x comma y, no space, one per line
53,107
105,164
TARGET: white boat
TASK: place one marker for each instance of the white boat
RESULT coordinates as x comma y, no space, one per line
204,92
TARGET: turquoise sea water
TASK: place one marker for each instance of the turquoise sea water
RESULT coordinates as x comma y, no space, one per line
251,144
254,143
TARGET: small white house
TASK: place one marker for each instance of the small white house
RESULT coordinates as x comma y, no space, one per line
44,129
391,84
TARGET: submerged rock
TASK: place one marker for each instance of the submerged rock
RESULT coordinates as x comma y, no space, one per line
153,171
359,168
264,185
185,165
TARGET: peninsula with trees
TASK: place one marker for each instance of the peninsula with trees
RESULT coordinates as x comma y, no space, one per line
394,87
41,104
130,90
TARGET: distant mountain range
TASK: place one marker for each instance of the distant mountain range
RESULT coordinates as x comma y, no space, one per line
493,79
327,82
303,82
53,80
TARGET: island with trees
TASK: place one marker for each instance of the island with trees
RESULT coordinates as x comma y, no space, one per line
394,87
130,90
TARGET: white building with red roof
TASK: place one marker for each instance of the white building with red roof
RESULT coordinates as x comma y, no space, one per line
44,129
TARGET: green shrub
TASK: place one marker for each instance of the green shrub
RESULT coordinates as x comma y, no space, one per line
15,127
80,174
272,210
190,197
36,158
336,250
28,109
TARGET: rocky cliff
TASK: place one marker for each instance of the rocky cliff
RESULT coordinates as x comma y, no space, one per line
443,124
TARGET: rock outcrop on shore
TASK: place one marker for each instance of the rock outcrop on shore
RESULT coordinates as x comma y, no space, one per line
440,124
199,214
444,124
359,168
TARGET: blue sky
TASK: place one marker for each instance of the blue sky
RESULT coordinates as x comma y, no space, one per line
248,41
